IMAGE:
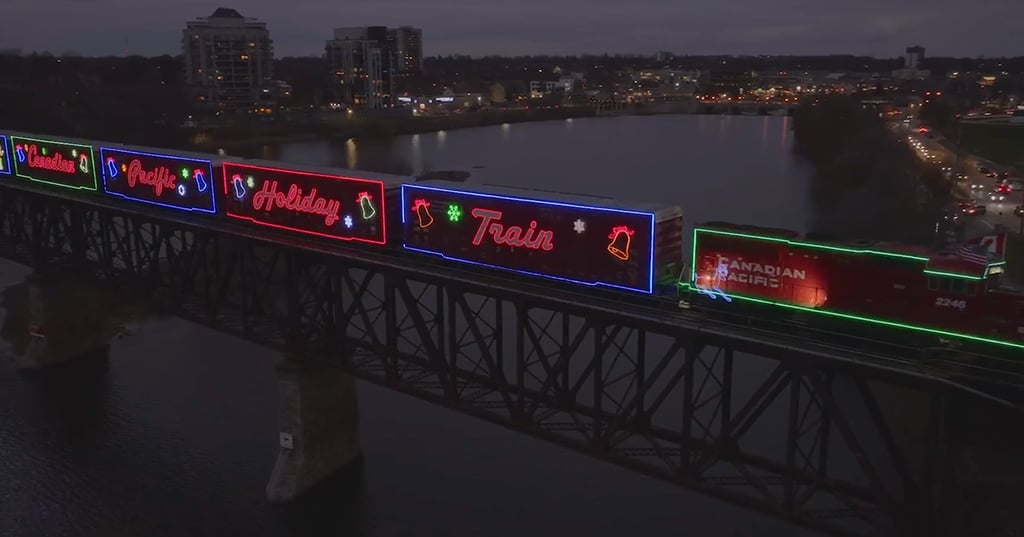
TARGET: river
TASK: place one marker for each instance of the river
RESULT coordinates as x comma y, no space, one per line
175,432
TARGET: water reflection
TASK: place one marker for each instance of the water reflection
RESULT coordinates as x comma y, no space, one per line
702,163
351,154
72,399
417,154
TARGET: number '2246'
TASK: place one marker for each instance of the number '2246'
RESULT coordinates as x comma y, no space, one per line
943,302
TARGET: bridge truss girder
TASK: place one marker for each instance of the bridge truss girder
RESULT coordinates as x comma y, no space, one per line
679,406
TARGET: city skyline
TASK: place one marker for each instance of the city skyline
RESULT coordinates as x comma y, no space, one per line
791,27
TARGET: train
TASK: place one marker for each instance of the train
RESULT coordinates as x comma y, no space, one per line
624,248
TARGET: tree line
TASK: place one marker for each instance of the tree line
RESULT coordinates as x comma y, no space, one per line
868,184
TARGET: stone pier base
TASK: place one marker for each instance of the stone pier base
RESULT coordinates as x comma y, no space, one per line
65,320
319,428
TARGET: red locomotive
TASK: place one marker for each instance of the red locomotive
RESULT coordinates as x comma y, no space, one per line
954,296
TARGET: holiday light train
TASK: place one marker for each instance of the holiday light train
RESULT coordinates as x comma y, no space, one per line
863,287
633,249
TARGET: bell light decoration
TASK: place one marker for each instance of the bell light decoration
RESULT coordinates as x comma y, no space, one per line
83,163
366,205
200,179
112,170
621,237
422,209
239,185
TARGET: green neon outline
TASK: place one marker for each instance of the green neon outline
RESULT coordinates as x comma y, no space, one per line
883,322
92,163
953,275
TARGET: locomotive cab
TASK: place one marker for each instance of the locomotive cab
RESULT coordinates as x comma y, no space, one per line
969,296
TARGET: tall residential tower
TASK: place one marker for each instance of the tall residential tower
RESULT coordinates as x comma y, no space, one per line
406,45
361,66
228,60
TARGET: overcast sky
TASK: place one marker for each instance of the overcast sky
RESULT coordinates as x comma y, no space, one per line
477,27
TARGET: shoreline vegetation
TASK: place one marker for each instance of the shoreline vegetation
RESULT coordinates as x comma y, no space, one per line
338,126
867,185
334,125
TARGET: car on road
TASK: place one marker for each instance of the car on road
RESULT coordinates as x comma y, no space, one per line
970,208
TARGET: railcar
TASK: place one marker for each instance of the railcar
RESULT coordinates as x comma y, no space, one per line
589,241
901,291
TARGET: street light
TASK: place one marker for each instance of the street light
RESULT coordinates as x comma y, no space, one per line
1019,213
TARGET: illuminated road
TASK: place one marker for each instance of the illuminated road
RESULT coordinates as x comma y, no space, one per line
997,212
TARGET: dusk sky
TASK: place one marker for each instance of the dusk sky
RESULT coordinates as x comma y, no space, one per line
880,28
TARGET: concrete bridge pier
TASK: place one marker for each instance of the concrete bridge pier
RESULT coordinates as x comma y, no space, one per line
319,427
65,320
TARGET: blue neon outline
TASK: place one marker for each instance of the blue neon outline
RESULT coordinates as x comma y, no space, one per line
7,169
469,193
209,167
239,183
199,177
92,156
109,165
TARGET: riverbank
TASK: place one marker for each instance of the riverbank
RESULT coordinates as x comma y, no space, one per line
341,126
999,143
338,125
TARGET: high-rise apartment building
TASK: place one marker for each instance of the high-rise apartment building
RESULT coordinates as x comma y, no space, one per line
228,60
914,57
361,65
406,45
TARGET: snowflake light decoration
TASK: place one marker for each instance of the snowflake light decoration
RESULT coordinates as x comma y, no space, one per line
454,213
579,226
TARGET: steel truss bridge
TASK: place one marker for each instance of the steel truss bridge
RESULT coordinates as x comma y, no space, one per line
666,393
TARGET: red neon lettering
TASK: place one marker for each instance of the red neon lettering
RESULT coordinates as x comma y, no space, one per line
160,178
56,163
269,198
532,238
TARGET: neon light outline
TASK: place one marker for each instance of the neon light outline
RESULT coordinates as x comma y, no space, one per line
5,156
377,182
489,218
365,201
943,274
239,184
622,255
72,145
209,167
650,276
454,212
269,198
833,313
418,204
714,290
200,178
